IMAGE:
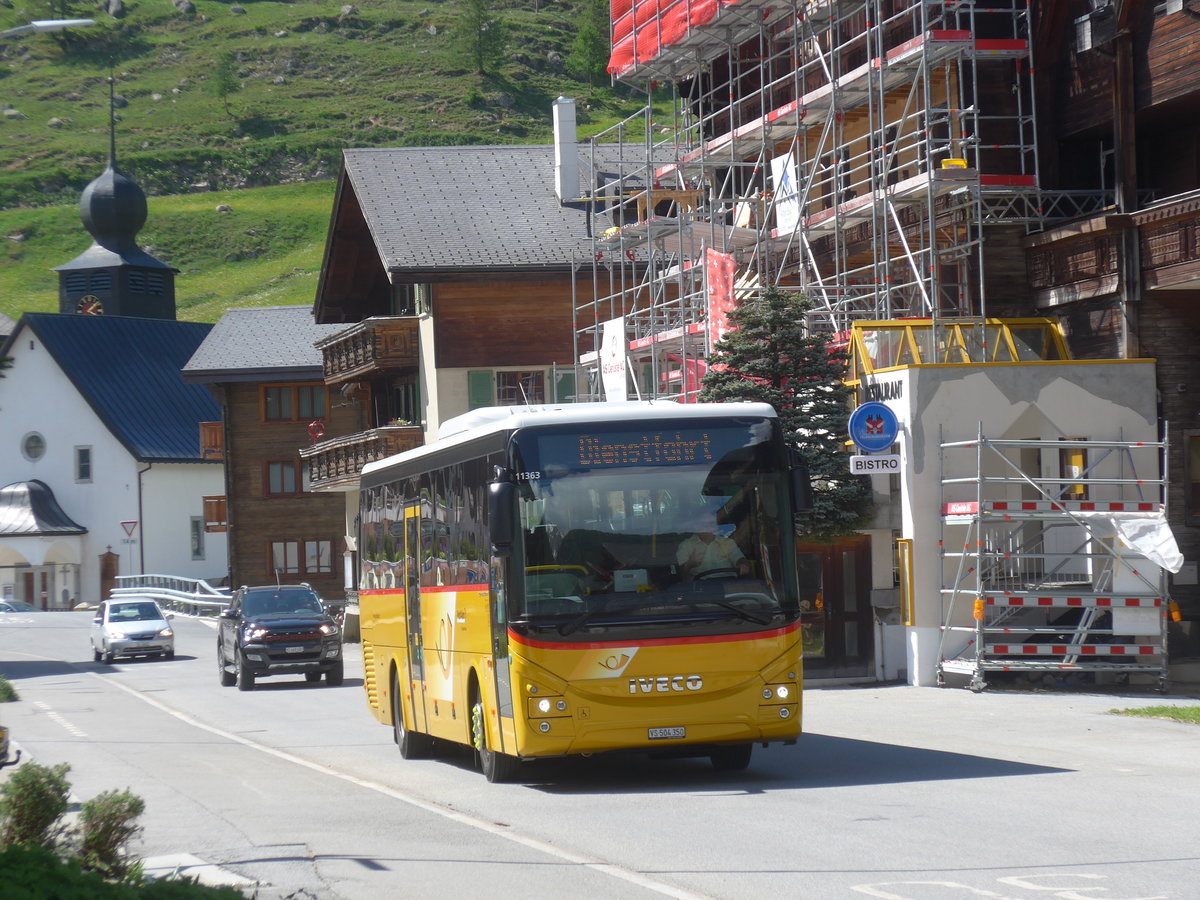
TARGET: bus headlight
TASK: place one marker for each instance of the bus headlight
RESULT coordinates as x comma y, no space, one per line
548,707
779,693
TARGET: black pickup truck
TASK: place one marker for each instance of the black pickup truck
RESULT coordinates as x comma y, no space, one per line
278,630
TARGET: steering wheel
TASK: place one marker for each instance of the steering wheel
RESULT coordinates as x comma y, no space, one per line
713,574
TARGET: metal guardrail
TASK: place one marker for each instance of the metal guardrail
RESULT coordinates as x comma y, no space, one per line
193,596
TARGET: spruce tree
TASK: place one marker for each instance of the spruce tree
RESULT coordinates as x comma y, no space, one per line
588,59
769,356
481,34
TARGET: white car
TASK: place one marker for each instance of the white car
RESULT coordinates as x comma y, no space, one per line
131,628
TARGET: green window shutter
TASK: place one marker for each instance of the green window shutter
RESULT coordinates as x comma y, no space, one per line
481,389
564,386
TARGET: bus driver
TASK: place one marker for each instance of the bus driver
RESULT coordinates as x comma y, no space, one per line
707,552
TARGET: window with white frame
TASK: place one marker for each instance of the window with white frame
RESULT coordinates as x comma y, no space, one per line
83,464
197,531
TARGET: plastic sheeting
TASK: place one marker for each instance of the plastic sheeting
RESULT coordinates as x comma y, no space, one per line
641,28
1146,534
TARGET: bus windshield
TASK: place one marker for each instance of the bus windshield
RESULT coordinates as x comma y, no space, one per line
632,531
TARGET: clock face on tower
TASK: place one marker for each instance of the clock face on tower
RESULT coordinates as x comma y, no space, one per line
89,305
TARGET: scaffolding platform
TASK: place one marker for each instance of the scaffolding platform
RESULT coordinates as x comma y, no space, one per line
1057,580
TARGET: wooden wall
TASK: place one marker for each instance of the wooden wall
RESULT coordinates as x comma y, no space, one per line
497,323
1166,68
256,520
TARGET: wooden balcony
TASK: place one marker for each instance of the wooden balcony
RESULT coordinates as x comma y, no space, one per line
1082,259
335,464
212,440
373,345
1170,243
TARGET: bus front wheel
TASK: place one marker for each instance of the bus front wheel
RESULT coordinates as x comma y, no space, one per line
412,744
731,758
497,767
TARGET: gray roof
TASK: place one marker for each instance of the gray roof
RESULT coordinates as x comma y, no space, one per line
30,508
7,325
250,344
461,208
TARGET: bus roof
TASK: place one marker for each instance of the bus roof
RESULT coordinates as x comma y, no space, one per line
492,419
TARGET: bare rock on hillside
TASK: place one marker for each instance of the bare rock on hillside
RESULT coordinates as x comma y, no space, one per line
115,8
185,7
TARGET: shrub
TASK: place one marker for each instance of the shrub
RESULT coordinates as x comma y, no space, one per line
31,803
35,873
109,822
8,693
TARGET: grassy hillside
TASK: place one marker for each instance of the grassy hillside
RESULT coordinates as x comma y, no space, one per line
266,251
311,80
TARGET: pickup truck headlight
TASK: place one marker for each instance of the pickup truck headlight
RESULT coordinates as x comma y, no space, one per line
327,628
255,633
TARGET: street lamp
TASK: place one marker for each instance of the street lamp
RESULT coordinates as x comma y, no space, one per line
48,25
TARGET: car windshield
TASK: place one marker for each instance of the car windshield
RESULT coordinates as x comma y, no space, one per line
16,606
133,612
281,603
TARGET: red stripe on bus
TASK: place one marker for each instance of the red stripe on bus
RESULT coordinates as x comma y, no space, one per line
654,642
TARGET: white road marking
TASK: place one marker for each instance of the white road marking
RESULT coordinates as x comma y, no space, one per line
650,884
59,719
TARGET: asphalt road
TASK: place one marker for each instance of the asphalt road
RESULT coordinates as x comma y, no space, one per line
294,790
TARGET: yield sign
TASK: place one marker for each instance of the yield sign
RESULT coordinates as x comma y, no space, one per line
129,526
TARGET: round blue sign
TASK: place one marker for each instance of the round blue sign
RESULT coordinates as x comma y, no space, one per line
873,427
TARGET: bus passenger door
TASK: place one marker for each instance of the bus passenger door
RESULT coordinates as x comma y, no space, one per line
414,656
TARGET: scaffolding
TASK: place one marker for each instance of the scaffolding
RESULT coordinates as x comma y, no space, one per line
1044,558
854,150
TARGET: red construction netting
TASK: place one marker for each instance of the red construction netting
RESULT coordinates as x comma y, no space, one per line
641,28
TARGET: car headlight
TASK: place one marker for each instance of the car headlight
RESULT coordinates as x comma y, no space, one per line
255,634
327,628
166,632
116,634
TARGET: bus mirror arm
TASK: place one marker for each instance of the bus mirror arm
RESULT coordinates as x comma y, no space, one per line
501,513
802,497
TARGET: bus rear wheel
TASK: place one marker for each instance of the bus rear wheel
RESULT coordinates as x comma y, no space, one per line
731,758
497,767
412,744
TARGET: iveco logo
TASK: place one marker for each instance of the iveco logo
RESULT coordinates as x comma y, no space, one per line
665,684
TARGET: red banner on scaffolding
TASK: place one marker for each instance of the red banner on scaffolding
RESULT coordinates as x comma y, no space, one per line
720,269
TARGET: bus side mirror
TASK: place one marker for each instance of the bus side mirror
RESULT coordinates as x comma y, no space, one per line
502,497
802,496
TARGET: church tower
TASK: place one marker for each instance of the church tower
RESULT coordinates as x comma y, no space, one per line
114,276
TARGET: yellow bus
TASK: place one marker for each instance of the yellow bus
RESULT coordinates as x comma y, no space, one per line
548,581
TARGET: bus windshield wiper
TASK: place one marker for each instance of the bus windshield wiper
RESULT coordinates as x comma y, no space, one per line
745,614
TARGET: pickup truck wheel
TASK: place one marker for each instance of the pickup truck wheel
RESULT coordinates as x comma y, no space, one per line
245,678
227,677
312,677
335,674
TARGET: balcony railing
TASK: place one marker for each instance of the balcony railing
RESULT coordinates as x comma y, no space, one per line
1082,259
335,464
373,345
1170,241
